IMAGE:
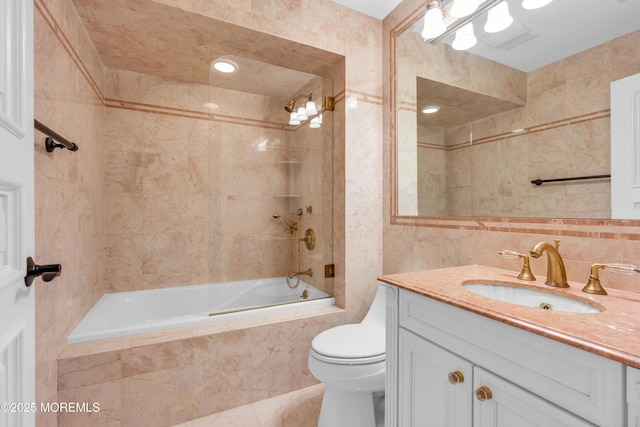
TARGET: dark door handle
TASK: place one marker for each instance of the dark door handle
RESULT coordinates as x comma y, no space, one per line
48,272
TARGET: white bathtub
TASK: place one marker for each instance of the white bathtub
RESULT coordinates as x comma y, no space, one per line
129,313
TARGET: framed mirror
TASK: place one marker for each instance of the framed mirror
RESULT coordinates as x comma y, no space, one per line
525,104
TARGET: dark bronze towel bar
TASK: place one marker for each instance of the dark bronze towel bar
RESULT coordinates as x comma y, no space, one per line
52,137
575,178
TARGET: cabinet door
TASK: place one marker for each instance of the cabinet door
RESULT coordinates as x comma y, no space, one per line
435,386
634,416
633,396
499,403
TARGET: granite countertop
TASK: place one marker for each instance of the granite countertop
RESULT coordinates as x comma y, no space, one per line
613,333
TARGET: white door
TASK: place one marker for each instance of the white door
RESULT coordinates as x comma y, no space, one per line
17,326
625,148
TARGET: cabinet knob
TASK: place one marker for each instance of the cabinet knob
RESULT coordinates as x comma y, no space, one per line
456,377
483,393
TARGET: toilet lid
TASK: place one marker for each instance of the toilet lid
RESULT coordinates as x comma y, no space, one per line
355,341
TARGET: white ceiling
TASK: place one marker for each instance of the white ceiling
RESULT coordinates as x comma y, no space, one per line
376,8
560,29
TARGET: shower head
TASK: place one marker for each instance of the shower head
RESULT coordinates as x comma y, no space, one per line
284,221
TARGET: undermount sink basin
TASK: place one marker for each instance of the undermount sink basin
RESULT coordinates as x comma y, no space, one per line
530,298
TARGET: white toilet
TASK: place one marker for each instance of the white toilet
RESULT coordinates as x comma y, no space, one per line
350,361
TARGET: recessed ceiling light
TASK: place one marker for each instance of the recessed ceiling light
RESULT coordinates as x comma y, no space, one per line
225,65
430,109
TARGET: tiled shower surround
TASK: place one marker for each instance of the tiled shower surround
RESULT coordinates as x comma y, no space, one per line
193,177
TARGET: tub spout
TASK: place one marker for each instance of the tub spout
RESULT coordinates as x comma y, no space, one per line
308,272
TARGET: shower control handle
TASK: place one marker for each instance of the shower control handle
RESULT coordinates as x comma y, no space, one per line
48,271
309,239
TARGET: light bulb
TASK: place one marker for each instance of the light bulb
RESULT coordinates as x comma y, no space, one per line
433,21
293,120
462,8
534,4
465,39
310,109
315,123
499,18
302,114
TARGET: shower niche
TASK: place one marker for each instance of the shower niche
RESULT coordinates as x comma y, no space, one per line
290,168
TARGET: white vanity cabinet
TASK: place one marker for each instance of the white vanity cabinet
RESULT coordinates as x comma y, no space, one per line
448,367
633,396
438,388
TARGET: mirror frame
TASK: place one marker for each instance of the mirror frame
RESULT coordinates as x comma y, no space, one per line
595,228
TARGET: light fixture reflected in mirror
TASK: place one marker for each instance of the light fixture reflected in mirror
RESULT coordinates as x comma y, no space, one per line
290,106
311,109
302,113
316,122
293,120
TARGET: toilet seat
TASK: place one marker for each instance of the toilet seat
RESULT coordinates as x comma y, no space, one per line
352,344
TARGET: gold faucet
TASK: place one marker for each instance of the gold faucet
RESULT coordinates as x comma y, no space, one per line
556,274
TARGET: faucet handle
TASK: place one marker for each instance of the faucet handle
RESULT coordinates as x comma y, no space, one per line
509,254
595,287
525,273
557,242
629,269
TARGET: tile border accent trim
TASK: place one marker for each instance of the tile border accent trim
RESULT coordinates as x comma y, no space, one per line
609,229
583,118
68,47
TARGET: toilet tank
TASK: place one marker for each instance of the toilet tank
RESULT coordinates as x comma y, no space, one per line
377,312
